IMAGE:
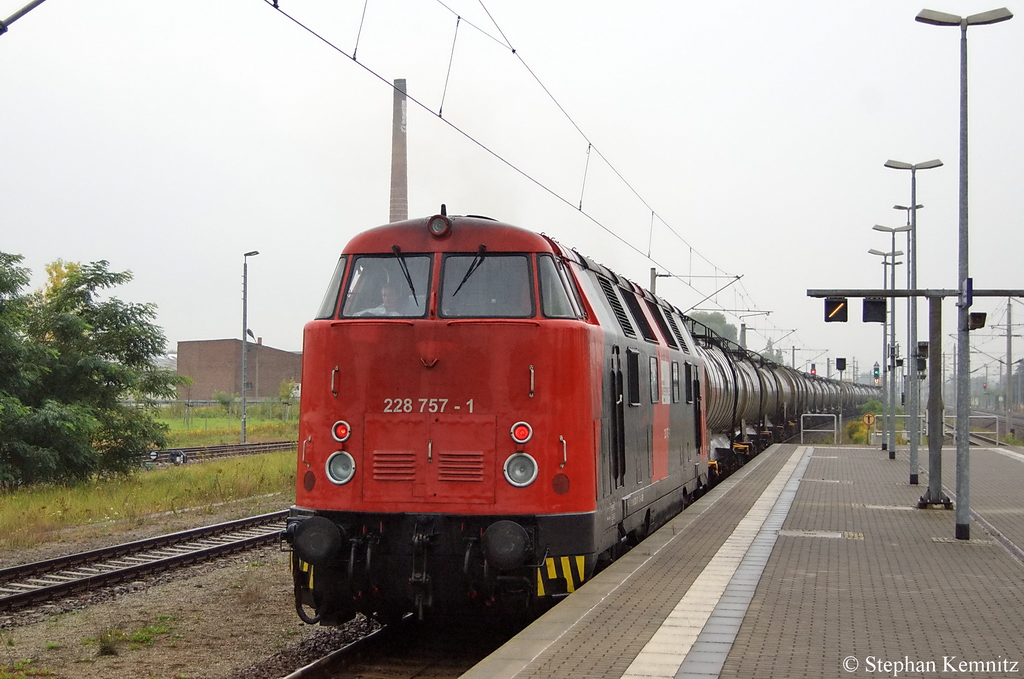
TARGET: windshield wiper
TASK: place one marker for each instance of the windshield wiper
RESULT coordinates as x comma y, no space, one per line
405,270
473,266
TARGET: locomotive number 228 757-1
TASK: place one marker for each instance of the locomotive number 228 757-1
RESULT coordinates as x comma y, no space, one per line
422,405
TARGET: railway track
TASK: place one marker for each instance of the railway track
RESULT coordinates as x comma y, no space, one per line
409,649
35,583
974,438
203,453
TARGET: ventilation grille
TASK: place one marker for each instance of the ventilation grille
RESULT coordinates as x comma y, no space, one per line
620,313
659,318
675,329
465,466
394,466
638,316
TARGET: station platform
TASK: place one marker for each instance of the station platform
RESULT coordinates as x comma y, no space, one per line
810,561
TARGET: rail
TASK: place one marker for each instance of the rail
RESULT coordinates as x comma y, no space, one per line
40,581
196,453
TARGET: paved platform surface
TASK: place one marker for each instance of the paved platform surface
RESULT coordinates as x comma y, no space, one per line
811,561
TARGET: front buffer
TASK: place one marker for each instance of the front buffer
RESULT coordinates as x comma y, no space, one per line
434,565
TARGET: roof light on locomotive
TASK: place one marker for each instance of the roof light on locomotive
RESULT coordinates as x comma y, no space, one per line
439,226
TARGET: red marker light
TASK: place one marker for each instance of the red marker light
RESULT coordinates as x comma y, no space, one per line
521,432
341,431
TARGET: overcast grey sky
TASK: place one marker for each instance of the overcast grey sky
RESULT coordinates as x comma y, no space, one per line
171,137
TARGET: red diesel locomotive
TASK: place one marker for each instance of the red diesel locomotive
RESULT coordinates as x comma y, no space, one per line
487,416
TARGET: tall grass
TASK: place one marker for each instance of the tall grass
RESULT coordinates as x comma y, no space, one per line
30,516
223,430
217,424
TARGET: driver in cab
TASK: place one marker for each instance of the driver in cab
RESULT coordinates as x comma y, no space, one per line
394,302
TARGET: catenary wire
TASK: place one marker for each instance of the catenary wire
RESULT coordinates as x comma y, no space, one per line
506,44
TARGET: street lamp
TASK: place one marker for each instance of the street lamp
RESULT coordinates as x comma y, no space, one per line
892,355
245,325
892,333
914,395
963,350
889,348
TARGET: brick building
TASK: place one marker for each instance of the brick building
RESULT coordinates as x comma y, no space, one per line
216,365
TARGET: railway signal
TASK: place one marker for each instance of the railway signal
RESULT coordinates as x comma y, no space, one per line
836,310
874,310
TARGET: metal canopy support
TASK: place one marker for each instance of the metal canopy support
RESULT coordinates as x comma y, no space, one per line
935,406
934,494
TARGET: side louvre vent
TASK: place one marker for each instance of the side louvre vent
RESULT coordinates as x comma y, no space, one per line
675,328
659,318
613,300
638,316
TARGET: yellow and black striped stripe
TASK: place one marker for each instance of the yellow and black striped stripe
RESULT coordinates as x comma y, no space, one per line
561,574
304,568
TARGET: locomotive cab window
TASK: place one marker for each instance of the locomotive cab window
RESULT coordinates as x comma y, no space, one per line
330,301
484,285
388,286
555,299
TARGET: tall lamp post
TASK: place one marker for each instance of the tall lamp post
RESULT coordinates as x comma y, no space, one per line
912,334
963,349
889,343
914,395
245,326
892,231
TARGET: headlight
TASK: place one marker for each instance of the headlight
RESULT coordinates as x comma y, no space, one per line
439,226
341,467
520,469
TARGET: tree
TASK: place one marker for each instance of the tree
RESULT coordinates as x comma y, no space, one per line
225,400
773,354
286,389
716,321
77,375
872,406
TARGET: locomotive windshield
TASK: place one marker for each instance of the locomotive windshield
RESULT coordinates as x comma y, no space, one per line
388,286
484,285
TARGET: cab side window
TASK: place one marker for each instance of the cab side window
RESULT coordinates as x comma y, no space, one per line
330,301
555,299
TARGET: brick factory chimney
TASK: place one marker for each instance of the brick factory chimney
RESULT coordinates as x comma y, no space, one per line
399,156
